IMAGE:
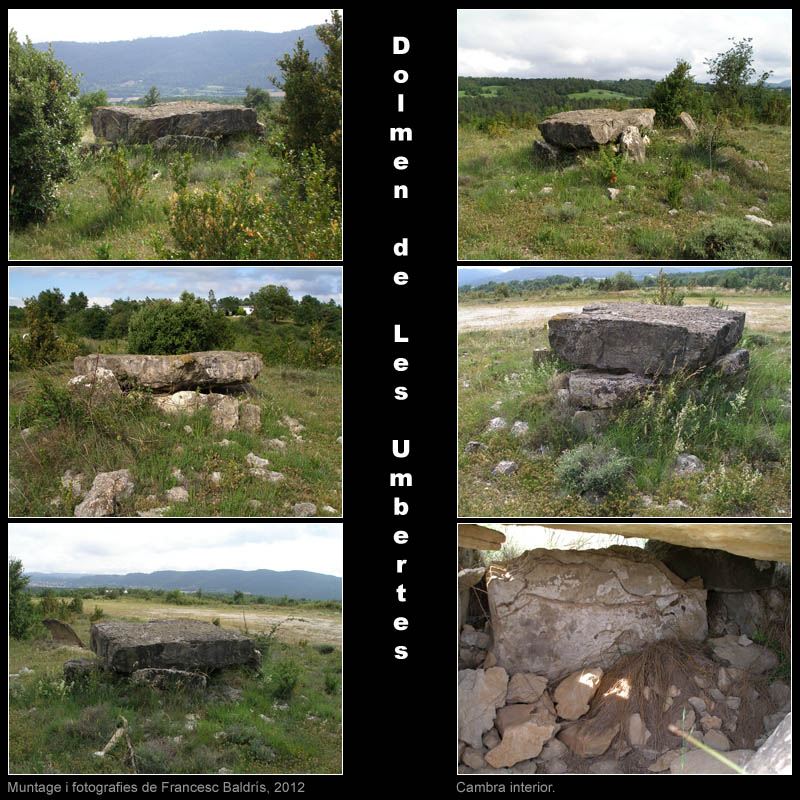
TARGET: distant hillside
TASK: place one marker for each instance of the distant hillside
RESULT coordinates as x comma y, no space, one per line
476,277
295,584
211,63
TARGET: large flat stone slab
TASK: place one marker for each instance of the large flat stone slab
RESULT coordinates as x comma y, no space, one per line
171,644
555,611
143,125
210,369
592,127
645,338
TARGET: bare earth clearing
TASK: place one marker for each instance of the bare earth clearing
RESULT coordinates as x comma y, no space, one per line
766,314
314,625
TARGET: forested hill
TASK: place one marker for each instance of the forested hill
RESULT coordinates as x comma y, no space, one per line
214,62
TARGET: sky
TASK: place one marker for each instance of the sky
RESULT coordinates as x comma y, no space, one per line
606,44
111,25
122,547
104,284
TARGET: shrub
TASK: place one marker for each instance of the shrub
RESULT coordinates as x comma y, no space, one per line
76,605
126,177
257,98
284,679
21,613
89,101
652,243
325,649
734,490
97,614
331,682
187,326
40,344
780,239
50,404
726,238
666,294
152,97
44,125
179,170
592,468
675,93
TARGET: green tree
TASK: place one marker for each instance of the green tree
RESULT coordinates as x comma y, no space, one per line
307,311
89,101
21,613
41,342
238,597
77,302
229,305
44,126
272,303
91,322
152,97
165,327
212,300
51,304
256,98
677,92
732,71
311,111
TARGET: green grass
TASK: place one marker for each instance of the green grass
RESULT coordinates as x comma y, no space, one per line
56,728
503,215
85,227
125,434
743,439
486,91
600,94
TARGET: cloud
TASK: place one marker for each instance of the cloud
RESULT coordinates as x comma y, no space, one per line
614,43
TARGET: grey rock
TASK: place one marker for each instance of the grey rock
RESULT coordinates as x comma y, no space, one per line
613,193
733,364
505,468
474,447
496,424
758,220
545,151
774,757
78,669
304,510
162,644
688,123
755,658
631,144
108,489
687,464
177,494
698,762
646,339
172,680
589,388
519,428
592,127
143,125
589,421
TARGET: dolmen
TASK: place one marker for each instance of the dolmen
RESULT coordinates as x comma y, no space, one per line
623,349
178,383
135,125
591,128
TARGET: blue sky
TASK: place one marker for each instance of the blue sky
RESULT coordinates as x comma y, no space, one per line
104,284
607,43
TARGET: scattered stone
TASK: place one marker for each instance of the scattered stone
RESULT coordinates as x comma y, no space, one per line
754,658
717,740
546,190
524,687
177,494
553,750
780,693
522,741
304,510
760,165
139,125
754,210
758,220
733,364
646,339
586,738
673,212
98,383
733,703
275,444
73,482
163,644
77,669
491,739
688,123
178,475
620,599
708,723
573,695
496,424
677,504
211,369
225,443
26,432
686,719
188,429
774,757
473,757
480,694
519,428
254,504
687,464
698,704
474,447
515,714
216,478
638,734
108,489
172,680
591,127
631,144
664,762
329,510
505,468
153,512
557,767
613,193
608,766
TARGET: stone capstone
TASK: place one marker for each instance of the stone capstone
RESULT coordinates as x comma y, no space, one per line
645,339
206,370
480,694
593,127
171,644
108,489
554,611
143,125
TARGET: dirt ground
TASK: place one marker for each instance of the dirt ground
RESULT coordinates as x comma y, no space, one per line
766,314
316,627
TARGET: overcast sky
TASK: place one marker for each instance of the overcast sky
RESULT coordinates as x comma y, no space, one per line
615,43
102,285
111,25
121,547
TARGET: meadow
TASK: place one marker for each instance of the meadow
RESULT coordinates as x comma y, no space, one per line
283,718
741,434
680,204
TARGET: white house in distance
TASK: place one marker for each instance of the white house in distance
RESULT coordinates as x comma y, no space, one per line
248,310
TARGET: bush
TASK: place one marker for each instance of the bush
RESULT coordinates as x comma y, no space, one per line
44,125
21,613
301,222
97,614
652,243
126,177
331,682
666,294
284,679
89,101
780,239
592,468
726,238
165,327
734,490
677,92
50,404
40,345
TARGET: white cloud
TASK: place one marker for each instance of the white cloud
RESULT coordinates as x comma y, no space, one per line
101,301
615,43
120,547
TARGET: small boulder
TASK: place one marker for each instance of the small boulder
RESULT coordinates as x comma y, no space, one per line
613,193
108,489
304,510
519,428
250,417
573,695
505,468
171,680
78,669
545,151
496,424
525,687
523,741
631,144
688,123
177,494
687,464
758,220
480,694
99,383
